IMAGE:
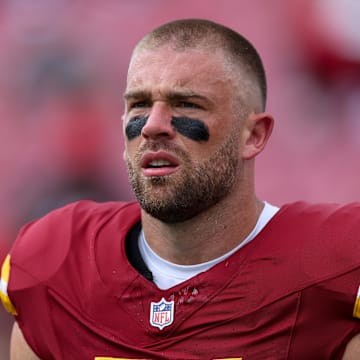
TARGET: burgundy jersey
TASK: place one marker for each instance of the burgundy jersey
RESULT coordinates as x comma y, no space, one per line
291,293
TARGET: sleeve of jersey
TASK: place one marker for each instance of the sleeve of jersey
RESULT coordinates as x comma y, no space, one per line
36,256
40,249
37,253
338,245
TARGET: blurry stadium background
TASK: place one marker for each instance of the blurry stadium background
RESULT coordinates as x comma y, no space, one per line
62,74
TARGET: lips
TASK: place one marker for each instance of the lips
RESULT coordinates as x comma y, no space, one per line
158,163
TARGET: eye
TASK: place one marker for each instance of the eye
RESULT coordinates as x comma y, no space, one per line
139,104
188,105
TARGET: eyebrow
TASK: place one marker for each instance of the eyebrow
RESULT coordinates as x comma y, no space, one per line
137,94
171,95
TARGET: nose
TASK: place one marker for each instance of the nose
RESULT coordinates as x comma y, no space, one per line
158,124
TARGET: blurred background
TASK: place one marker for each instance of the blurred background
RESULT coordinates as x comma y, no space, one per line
63,65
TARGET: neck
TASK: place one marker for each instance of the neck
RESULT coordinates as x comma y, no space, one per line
206,236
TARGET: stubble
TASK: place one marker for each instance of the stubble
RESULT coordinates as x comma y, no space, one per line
194,188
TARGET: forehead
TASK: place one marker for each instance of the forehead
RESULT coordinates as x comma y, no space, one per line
164,67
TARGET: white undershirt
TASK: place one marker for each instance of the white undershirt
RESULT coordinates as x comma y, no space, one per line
167,274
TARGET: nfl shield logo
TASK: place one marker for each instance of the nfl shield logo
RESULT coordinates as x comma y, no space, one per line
161,313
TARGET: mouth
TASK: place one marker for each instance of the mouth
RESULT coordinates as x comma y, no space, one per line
158,164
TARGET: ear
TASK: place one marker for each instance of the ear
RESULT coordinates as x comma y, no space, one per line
258,128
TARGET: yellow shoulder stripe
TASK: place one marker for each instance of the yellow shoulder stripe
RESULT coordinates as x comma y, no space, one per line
356,311
5,275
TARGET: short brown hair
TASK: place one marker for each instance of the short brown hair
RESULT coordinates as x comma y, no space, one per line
200,33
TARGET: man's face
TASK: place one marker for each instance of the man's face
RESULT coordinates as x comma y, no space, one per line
182,136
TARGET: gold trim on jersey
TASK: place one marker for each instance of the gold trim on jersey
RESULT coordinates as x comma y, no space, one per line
356,311
110,358
4,280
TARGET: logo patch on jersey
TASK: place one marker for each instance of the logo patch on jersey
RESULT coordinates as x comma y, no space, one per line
161,313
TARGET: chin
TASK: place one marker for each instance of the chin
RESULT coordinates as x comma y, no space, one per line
169,217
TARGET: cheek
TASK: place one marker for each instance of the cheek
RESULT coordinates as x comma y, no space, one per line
130,150
221,135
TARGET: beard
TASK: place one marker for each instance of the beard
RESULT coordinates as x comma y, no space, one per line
196,187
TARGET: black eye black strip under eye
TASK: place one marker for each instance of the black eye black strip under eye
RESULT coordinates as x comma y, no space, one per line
134,127
193,129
